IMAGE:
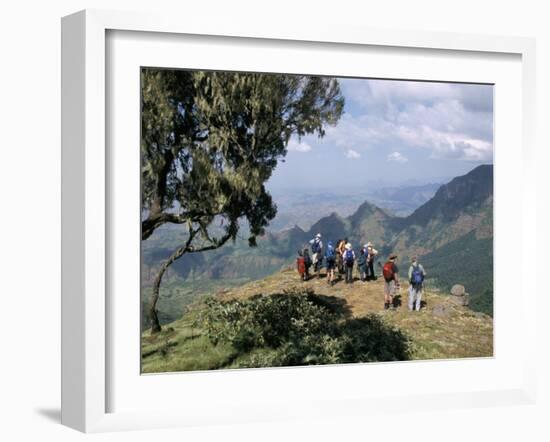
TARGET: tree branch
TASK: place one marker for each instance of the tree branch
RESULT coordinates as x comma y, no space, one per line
149,225
215,243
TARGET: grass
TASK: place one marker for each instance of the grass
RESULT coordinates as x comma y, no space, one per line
182,348
456,333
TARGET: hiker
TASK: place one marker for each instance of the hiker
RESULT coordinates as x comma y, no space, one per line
349,259
317,253
391,281
362,265
301,265
330,256
341,248
416,281
370,253
307,262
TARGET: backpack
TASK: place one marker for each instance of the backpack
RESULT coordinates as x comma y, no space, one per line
417,277
315,247
348,257
301,265
331,254
387,271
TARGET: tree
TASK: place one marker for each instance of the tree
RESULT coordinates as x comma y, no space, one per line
211,140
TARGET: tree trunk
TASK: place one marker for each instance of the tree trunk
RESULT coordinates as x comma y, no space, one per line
178,253
153,317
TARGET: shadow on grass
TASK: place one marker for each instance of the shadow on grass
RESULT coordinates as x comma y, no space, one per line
369,339
333,304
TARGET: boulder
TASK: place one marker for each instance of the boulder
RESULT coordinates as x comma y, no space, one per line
461,300
458,290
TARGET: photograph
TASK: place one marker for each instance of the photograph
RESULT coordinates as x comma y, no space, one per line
300,220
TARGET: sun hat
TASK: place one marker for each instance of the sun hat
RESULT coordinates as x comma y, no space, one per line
369,244
318,235
348,246
393,256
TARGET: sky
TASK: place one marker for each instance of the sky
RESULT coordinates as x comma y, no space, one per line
394,132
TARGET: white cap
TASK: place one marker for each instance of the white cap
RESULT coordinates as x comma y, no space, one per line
318,235
348,246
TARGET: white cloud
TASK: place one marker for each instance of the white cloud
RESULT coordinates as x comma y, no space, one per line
450,120
397,157
443,144
352,154
298,146
446,120
357,133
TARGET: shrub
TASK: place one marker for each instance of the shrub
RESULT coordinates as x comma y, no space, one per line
298,328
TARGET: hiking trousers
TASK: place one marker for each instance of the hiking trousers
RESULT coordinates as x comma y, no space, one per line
370,269
349,273
415,297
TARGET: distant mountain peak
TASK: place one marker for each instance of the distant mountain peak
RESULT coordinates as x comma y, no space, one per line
452,198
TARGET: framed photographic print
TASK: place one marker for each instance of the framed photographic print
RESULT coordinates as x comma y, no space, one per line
271,222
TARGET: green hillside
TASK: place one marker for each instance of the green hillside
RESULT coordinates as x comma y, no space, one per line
468,260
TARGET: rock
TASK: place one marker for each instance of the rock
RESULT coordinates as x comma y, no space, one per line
463,300
458,290
441,310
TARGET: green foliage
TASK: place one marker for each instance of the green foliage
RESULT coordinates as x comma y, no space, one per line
210,140
298,329
467,261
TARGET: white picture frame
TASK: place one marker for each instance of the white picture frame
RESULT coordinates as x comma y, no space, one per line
86,315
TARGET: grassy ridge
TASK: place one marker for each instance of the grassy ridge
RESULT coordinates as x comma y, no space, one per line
256,325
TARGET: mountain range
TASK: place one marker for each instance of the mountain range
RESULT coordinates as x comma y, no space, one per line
305,207
460,207
452,233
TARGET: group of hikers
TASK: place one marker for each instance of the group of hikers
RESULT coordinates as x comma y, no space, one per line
342,258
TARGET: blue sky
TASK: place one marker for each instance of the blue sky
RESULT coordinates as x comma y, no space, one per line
393,132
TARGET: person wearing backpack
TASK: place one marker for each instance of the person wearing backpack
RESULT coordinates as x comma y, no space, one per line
307,262
362,265
416,281
370,254
349,259
317,253
391,281
330,256
301,265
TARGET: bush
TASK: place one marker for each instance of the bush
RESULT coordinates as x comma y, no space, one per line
370,339
298,328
